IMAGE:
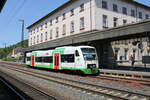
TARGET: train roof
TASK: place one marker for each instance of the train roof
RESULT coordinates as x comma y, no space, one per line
85,47
75,47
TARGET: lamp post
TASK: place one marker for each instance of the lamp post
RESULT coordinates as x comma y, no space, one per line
22,33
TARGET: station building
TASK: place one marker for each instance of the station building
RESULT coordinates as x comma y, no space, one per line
82,16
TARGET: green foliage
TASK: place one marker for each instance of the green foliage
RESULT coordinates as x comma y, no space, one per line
5,51
25,44
11,59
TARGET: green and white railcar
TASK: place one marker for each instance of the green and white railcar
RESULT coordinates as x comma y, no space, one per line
76,58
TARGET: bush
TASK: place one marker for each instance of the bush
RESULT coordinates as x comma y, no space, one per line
13,59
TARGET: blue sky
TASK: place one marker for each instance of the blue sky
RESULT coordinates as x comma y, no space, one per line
30,11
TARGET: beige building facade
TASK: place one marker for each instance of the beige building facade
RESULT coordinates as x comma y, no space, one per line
120,51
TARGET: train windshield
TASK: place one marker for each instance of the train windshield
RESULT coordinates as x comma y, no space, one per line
89,53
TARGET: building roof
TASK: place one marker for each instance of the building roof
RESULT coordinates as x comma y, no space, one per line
72,1
2,3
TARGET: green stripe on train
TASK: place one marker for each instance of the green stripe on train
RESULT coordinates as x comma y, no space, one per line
84,70
44,66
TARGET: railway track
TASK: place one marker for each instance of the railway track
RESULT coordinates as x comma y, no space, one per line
125,79
31,92
143,81
107,93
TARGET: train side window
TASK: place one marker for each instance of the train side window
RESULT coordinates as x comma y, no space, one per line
68,58
48,59
38,59
77,53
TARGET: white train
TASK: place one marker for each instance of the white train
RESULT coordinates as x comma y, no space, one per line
75,58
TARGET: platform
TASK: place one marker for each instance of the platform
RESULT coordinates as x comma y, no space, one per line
132,71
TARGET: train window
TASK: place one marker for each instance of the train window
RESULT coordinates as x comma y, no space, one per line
48,59
77,53
28,58
67,58
88,50
38,59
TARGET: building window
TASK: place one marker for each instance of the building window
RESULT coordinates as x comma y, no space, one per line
45,36
126,54
72,12
116,54
64,29
72,27
104,5
82,23
34,31
105,21
45,25
81,7
124,21
30,32
134,53
133,13
124,10
31,41
56,19
41,37
146,16
140,15
51,34
34,40
64,16
57,32
115,7
41,27
115,22
37,29
50,22
37,38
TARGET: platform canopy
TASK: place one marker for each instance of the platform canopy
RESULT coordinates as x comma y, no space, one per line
2,3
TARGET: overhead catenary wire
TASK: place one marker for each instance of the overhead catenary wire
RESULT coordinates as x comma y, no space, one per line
13,13
16,12
12,8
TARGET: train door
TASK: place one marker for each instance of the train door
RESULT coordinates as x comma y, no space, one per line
56,61
33,60
78,62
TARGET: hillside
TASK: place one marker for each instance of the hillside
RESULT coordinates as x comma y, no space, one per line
5,51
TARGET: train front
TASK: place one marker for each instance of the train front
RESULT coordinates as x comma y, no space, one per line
90,60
